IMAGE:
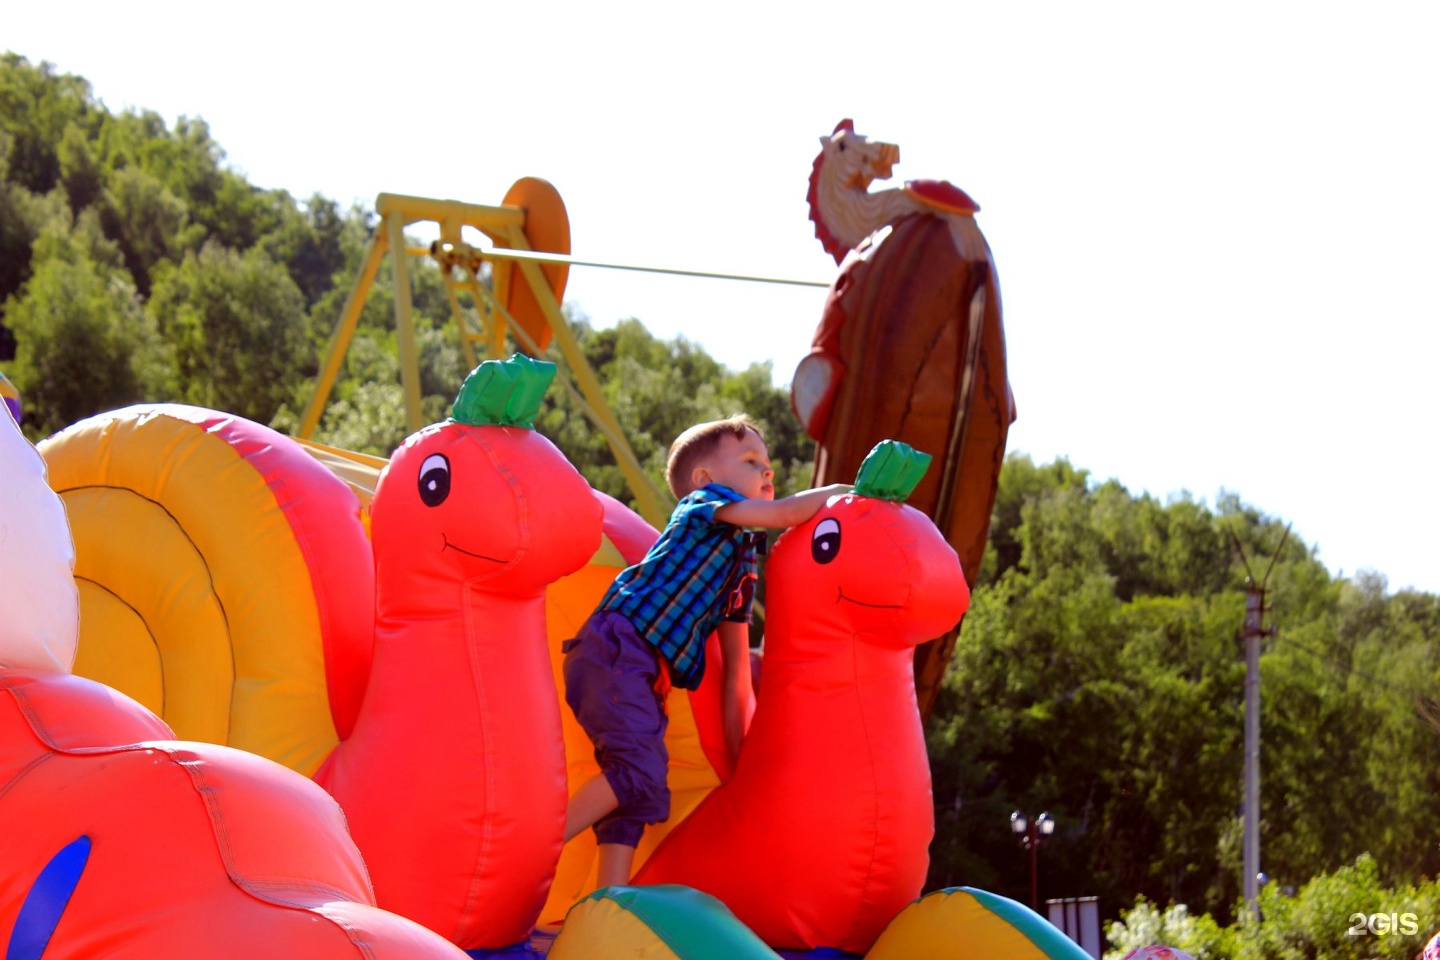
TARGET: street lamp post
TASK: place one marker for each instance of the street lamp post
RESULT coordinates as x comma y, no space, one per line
1031,834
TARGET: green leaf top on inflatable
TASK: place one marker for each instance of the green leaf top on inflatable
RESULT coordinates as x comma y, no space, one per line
504,393
891,471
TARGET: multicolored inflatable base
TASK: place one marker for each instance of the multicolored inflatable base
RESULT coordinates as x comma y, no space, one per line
667,922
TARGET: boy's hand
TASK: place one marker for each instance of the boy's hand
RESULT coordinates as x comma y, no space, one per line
780,514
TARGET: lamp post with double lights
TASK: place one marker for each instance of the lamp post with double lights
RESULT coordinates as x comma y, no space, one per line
1031,834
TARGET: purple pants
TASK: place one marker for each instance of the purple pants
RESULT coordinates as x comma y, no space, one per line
610,674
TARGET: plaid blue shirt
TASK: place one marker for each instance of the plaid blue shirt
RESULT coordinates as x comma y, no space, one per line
701,571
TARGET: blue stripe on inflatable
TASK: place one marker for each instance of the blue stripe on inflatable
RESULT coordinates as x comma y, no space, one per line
46,901
517,951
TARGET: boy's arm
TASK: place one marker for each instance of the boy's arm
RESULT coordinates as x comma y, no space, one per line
783,513
735,652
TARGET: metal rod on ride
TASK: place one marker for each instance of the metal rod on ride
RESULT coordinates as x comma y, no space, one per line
653,505
497,253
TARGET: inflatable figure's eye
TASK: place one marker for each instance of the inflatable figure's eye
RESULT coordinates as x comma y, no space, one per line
434,480
825,542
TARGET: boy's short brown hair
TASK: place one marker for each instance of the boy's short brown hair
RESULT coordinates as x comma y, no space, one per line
697,443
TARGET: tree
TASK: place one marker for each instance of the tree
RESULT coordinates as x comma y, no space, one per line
309,244
657,389
81,174
1100,676
148,222
36,107
19,228
84,343
237,322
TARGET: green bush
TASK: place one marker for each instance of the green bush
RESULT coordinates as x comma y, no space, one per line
1146,924
1329,918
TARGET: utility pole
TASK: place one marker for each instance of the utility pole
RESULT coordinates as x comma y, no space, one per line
1253,631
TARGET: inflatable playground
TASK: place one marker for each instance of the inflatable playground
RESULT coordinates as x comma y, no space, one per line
261,697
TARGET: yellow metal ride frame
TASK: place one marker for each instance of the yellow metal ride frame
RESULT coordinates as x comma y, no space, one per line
482,331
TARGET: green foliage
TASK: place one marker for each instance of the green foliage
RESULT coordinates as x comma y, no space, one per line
20,221
1328,919
657,389
1145,924
236,322
36,107
80,173
159,193
370,420
310,245
84,343
1100,675
148,222
367,410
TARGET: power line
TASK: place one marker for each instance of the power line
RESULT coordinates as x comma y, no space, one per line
1339,665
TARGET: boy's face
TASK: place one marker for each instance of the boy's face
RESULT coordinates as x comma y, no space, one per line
740,463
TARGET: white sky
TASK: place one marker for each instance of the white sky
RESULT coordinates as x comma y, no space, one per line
1215,224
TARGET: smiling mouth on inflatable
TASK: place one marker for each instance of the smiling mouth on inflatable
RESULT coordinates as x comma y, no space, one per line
478,556
840,595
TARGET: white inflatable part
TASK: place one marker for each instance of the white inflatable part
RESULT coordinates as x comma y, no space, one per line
39,603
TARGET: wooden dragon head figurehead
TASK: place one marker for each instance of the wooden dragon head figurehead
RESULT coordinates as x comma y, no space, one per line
855,159
842,173
844,210
482,498
867,565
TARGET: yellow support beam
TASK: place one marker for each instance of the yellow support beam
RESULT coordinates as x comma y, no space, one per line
496,320
503,225
653,506
467,338
625,457
405,323
344,332
488,220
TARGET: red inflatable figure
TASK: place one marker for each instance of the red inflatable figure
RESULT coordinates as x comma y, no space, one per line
470,521
116,840
446,752
822,834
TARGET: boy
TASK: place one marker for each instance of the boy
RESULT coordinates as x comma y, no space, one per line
650,628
